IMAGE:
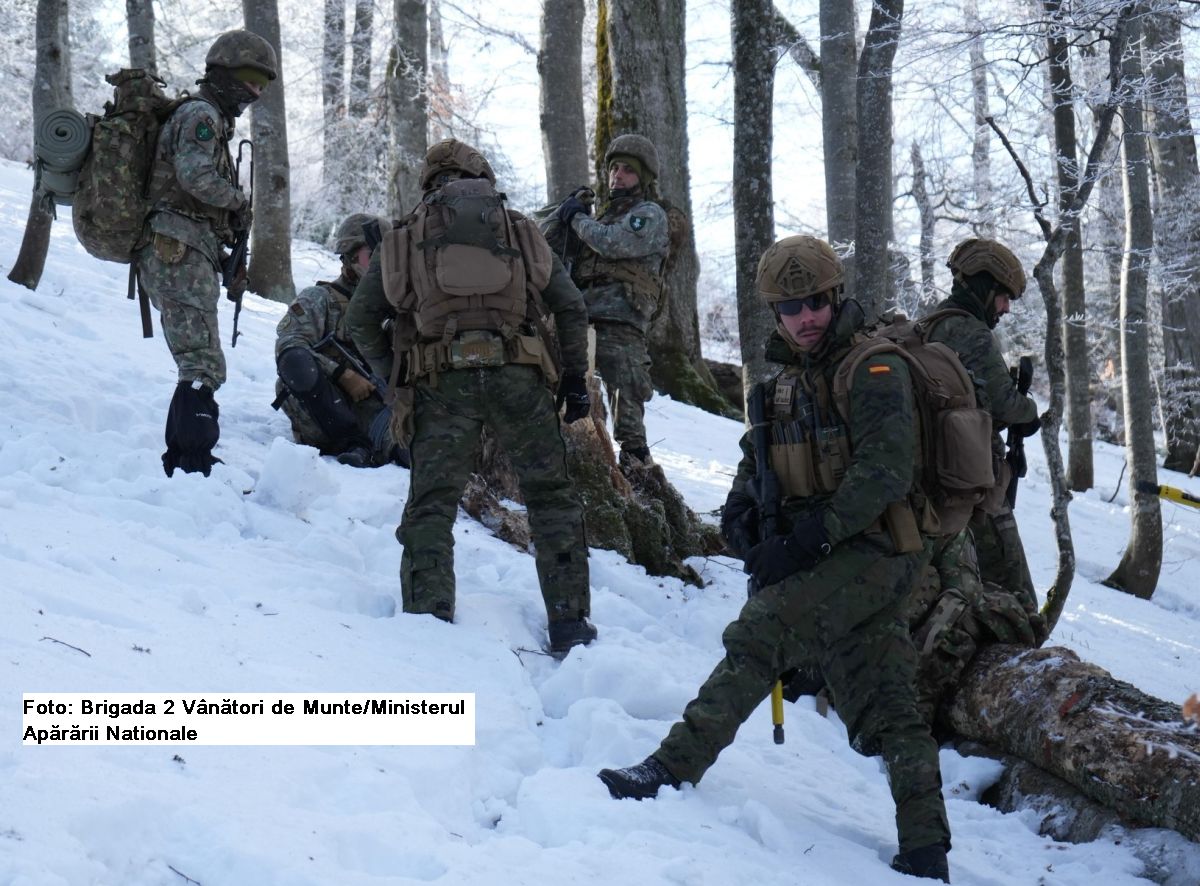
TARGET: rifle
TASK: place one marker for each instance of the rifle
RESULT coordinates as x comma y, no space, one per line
764,488
234,265
1022,376
353,361
570,239
1170,493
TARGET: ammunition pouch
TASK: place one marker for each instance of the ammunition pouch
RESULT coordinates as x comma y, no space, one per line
480,349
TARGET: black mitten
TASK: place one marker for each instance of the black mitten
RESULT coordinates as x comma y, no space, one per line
192,430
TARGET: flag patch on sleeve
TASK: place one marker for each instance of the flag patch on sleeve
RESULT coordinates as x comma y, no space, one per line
878,369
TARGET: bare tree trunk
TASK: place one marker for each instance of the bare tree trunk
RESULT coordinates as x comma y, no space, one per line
873,186
407,118
1117,745
754,56
333,105
51,90
928,220
1138,570
1177,235
560,70
981,161
437,84
641,89
360,58
139,14
270,271
839,128
1074,332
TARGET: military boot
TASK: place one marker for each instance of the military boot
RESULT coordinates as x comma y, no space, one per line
641,782
635,457
928,862
357,457
566,635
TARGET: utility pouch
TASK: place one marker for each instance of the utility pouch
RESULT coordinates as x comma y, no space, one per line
901,525
995,500
475,349
529,350
964,444
793,465
403,408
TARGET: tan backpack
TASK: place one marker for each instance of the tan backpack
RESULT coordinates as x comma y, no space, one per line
469,273
954,452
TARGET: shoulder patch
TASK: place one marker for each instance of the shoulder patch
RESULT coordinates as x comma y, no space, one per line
296,308
204,130
878,369
637,222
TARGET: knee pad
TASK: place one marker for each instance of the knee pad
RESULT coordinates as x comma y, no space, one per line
298,370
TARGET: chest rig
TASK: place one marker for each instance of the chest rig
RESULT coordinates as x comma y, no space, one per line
810,442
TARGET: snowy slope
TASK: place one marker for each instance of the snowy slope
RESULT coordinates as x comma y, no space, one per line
279,574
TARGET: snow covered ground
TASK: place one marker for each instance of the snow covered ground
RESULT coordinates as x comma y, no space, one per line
279,574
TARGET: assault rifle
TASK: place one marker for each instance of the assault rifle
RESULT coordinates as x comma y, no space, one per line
1170,493
764,489
353,362
233,267
1022,376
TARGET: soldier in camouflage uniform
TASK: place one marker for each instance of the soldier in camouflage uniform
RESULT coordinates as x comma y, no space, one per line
619,273
331,405
197,208
987,278
452,405
834,586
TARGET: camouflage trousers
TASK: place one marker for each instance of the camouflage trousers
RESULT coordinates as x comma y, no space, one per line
1002,556
623,362
847,615
183,285
514,402
373,417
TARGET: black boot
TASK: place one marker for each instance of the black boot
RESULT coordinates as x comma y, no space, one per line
357,457
635,457
192,430
566,635
641,782
928,862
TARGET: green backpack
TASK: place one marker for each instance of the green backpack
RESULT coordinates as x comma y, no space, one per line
110,207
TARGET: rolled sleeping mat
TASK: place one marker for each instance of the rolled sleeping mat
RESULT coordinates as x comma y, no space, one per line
61,143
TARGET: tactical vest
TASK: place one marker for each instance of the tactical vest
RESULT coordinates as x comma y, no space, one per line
643,276
167,193
469,273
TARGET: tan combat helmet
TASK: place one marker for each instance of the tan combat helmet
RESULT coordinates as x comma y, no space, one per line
974,256
243,49
797,267
451,155
637,146
349,237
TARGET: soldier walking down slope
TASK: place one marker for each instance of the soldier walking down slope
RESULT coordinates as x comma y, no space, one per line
987,279
463,281
324,385
834,585
196,208
619,270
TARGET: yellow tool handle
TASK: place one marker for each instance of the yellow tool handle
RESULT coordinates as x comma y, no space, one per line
777,710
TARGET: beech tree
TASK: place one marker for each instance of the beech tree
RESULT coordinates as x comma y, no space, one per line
407,105
139,15
560,70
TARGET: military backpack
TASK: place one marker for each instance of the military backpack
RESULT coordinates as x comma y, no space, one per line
110,206
954,446
469,273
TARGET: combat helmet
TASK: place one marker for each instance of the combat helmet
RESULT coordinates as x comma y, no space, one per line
975,256
799,266
637,146
243,49
349,237
451,155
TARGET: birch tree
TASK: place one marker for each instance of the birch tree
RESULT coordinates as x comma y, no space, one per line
270,270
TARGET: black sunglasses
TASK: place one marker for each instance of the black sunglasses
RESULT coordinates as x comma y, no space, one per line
793,306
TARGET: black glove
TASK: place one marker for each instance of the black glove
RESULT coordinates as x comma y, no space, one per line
739,523
1027,428
572,390
570,208
192,430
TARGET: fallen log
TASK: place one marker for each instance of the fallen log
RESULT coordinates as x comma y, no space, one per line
1125,749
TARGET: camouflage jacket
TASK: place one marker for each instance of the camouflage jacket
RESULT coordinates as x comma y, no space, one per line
881,431
369,310
631,236
191,182
976,346
316,312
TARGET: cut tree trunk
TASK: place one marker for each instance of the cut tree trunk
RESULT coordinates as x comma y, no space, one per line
1115,744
